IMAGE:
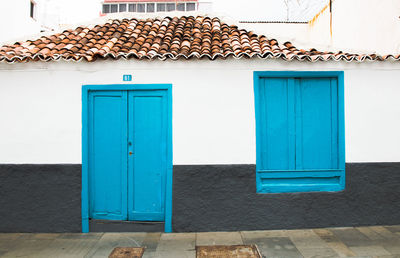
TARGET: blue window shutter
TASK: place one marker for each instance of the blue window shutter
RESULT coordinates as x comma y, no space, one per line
299,130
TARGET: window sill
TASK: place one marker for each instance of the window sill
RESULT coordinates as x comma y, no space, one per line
330,180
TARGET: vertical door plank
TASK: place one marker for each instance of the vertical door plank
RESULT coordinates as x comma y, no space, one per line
107,155
275,135
334,124
299,125
315,126
292,122
148,163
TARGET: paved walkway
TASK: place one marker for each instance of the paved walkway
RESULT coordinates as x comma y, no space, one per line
376,241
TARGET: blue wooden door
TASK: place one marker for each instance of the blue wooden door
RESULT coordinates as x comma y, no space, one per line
108,155
298,147
128,154
148,159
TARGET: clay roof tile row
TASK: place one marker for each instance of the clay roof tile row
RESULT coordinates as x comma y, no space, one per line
166,38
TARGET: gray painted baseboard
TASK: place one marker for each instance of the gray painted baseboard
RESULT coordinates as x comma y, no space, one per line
46,198
40,198
224,198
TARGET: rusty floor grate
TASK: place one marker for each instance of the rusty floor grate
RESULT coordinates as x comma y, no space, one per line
228,251
127,252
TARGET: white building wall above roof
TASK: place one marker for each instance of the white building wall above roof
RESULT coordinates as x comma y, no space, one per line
357,27
15,20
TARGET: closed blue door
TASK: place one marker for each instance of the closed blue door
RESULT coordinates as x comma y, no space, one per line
128,133
299,141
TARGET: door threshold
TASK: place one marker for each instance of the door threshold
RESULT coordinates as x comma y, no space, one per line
97,225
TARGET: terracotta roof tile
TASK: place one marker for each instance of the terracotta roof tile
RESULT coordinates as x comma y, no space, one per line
166,38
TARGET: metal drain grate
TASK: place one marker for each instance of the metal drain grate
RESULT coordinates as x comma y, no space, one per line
127,252
228,251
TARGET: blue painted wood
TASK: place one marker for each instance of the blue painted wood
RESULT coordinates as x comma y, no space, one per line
334,123
304,111
300,184
168,192
148,165
299,128
108,155
341,129
291,123
128,87
87,91
316,123
297,173
300,181
276,152
85,161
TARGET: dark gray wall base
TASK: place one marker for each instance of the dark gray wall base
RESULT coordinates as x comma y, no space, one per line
224,198
40,198
46,198
125,226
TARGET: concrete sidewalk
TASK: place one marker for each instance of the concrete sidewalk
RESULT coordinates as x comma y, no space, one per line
376,241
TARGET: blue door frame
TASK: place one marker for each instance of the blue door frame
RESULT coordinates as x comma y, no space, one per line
86,89
293,178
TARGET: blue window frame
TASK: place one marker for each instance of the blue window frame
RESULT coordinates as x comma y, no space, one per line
299,131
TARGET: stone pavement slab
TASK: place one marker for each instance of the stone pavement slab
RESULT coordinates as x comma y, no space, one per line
8,242
63,248
371,234
177,242
150,242
306,239
170,254
92,235
371,250
104,246
310,244
318,252
393,229
219,238
27,248
273,243
264,233
45,235
384,232
392,246
334,243
274,246
351,236
375,241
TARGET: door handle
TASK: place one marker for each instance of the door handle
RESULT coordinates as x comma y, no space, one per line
130,145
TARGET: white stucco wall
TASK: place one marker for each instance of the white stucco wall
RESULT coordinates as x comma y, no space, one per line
358,26
213,107
15,20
